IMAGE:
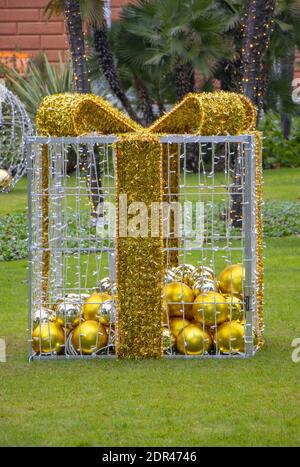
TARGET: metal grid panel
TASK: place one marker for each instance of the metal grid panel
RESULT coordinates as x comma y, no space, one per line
223,174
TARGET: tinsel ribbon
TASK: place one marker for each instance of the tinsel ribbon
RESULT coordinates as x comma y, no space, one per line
170,175
45,223
259,240
139,264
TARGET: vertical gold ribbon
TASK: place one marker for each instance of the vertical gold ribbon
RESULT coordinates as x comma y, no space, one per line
45,223
139,267
170,175
259,240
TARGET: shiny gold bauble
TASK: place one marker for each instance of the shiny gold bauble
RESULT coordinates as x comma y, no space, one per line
182,298
5,179
48,338
229,337
211,307
177,324
192,340
92,305
88,337
235,308
231,279
168,340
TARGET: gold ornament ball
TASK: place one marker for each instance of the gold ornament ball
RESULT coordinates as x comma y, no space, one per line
231,279
48,338
229,337
92,305
89,336
177,325
168,340
235,308
182,296
211,307
192,340
5,179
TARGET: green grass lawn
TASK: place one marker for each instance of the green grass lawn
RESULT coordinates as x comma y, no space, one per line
151,403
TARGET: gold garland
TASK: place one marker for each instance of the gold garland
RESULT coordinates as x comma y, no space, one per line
139,267
79,114
213,113
259,240
170,175
45,223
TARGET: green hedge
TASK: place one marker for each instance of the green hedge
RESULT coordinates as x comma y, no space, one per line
281,218
277,149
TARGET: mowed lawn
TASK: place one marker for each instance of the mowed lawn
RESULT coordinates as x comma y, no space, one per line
152,403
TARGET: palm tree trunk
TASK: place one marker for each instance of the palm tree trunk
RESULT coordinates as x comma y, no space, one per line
145,105
257,29
77,45
184,79
106,62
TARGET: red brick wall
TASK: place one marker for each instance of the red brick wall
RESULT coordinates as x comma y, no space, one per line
23,27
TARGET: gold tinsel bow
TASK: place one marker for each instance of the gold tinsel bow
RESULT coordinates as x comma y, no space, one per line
139,158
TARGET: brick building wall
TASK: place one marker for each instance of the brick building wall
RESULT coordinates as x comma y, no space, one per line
23,27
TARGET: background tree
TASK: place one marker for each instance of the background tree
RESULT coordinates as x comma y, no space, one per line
91,11
177,36
256,33
71,9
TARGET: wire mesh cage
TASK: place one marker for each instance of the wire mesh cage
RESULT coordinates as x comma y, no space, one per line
209,218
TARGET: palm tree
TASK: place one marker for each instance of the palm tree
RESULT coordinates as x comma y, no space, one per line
176,36
280,61
257,28
72,13
92,12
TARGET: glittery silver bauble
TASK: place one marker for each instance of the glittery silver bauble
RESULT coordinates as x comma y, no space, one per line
184,274
42,316
105,285
203,273
205,286
170,276
107,313
113,289
168,340
68,309
5,180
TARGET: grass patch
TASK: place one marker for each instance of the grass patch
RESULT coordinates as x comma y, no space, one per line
157,403
152,403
